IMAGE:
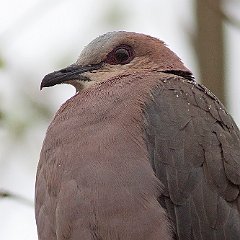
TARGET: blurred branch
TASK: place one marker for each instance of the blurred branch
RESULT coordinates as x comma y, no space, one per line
209,46
228,18
16,197
222,13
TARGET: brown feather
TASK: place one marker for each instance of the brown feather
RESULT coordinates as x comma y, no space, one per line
92,176
200,160
141,152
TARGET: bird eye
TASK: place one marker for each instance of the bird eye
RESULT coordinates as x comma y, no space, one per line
122,54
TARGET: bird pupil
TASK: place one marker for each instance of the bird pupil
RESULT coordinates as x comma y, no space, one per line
121,55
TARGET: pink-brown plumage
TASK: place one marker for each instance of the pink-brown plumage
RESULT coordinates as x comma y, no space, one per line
137,153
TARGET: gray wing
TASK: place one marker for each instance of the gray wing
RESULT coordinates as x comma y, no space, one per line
194,147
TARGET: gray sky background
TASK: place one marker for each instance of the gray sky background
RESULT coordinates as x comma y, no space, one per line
37,37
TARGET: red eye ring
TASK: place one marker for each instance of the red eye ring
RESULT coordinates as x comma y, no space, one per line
122,54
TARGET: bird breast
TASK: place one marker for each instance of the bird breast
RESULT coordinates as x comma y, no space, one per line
105,176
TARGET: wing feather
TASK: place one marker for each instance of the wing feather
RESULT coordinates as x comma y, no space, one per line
194,147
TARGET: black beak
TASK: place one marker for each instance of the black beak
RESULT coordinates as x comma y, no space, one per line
72,72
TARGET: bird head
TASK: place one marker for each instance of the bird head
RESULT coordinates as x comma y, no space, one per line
115,54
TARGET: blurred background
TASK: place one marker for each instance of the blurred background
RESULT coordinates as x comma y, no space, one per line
39,36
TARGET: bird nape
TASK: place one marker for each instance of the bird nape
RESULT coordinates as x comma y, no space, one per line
141,152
